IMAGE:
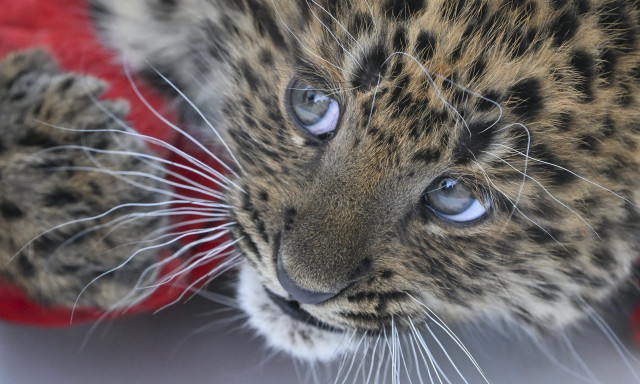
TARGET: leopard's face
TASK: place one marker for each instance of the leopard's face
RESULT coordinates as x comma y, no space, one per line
401,161
384,169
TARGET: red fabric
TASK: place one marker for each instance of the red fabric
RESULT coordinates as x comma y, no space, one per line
63,27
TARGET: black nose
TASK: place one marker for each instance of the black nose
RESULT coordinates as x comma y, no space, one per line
298,293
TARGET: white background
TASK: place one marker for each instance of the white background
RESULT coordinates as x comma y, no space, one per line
190,344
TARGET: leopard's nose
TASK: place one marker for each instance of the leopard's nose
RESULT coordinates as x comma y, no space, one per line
298,293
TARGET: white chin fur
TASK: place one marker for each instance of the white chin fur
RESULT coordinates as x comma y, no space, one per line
283,333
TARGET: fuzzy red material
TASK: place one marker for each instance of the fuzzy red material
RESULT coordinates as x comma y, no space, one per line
64,29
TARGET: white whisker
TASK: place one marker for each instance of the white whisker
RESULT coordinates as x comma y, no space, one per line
615,342
342,26
301,43
153,140
547,192
331,33
436,320
173,126
568,171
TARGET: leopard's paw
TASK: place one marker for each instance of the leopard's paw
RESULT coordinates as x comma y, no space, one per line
78,189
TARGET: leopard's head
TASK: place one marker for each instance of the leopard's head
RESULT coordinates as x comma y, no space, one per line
408,161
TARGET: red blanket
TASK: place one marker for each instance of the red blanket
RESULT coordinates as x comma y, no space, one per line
63,27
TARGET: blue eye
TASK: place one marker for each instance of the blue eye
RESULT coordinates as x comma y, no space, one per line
452,201
314,110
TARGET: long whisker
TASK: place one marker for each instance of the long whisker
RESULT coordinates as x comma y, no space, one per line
162,143
568,171
622,351
427,74
227,265
444,350
420,343
155,141
331,32
442,325
547,192
127,72
302,44
131,217
99,216
341,26
126,261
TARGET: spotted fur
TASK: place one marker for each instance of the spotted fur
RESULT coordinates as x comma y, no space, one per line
44,184
533,104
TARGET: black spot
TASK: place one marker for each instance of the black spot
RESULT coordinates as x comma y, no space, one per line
362,269
588,143
2,146
525,98
427,156
635,72
477,69
44,245
425,45
542,235
489,101
289,218
474,140
27,269
98,11
386,274
169,3
61,197
546,291
455,55
373,66
249,75
162,9
17,96
565,122
583,64
66,84
602,259
10,211
557,4
266,58
549,166
582,6
267,26
615,20
403,9
564,27
624,97
608,126
264,196
361,23
37,139
608,60
152,76
400,40
362,296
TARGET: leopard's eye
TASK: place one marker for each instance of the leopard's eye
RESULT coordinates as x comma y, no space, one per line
452,201
314,110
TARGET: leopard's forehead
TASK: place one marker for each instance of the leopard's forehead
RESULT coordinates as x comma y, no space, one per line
440,84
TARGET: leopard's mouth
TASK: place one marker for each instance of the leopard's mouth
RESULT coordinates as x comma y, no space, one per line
292,309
